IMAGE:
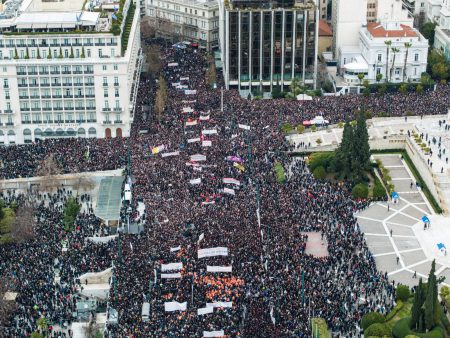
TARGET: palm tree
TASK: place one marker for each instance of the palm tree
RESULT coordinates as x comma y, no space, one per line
394,50
388,44
407,46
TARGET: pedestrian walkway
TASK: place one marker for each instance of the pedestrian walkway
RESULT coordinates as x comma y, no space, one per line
395,234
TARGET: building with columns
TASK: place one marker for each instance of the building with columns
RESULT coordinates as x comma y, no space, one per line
268,43
68,68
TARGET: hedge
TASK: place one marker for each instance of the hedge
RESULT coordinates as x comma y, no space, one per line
378,330
320,326
402,292
379,191
279,172
360,190
395,310
320,159
402,329
371,318
319,173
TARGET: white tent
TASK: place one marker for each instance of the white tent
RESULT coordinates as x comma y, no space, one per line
304,97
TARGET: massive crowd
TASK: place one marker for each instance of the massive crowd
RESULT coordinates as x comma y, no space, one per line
206,178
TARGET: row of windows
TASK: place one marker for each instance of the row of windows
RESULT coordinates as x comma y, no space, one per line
67,104
45,42
55,53
380,57
58,93
182,19
76,69
68,117
58,81
177,8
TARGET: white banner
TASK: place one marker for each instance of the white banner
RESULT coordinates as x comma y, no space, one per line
228,180
204,118
198,157
187,101
195,181
207,334
178,248
171,275
211,252
219,268
244,126
192,140
197,168
182,87
219,304
175,84
209,131
229,191
173,153
172,64
204,311
190,92
175,306
187,110
206,143
184,78
171,266
200,238
208,203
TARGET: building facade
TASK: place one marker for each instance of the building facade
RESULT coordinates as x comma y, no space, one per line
196,21
442,32
268,43
67,73
405,61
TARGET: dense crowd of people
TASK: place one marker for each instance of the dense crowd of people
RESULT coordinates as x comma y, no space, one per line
225,244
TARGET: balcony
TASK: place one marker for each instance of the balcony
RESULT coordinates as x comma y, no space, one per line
105,84
77,72
66,72
90,96
5,86
8,111
24,109
89,84
79,96
45,84
37,121
34,96
68,96
94,120
106,109
45,97
21,73
21,85
34,84
67,84
70,121
79,108
118,109
118,122
116,84
9,123
25,122
55,72
32,73
47,108
88,72
36,109
56,84
57,96
8,97
24,97
107,122
88,44
81,121
100,44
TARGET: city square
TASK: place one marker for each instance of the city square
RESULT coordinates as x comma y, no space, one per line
162,191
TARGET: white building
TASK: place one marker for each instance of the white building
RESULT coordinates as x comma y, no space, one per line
196,21
404,60
348,16
442,32
392,10
434,9
67,71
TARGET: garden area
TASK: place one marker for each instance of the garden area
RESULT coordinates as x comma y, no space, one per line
351,162
417,315
7,216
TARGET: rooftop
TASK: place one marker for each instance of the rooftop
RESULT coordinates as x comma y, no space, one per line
377,30
325,29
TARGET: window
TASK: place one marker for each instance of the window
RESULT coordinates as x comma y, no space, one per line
7,94
105,92
104,67
66,53
88,53
100,53
116,92
106,104
416,57
379,57
33,54
105,81
117,104
203,36
116,80
113,53
115,67
5,83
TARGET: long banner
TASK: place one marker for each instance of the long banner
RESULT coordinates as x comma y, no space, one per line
209,131
171,266
229,191
244,126
219,268
198,157
211,252
190,92
207,334
192,140
173,153
171,275
204,311
195,181
175,306
228,180
219,304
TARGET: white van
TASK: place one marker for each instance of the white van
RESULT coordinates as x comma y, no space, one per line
127,193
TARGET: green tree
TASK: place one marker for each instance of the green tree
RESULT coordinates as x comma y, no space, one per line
71,53
419,89
428,30
42,324
161,98
49,54
2,212
439,71
71,210
343,159
361,149
403,88
388,44
378,77
402,292
395,50
407,46
319,173
360,78
431,304
417,315
38,54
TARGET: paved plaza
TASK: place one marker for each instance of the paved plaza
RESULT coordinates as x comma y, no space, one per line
395,233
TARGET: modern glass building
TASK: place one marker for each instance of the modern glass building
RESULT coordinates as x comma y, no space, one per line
268,43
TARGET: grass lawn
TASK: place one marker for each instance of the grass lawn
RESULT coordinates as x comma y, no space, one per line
320,328
5,224
279,172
